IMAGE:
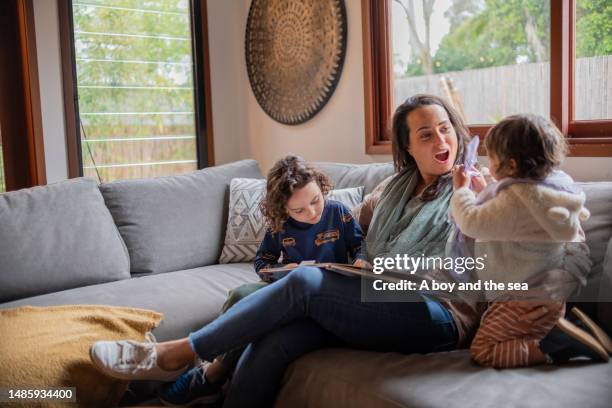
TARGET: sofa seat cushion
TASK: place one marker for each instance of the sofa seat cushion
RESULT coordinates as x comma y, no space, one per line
351,378
188,299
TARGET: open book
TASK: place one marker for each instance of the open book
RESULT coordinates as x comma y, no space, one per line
343,269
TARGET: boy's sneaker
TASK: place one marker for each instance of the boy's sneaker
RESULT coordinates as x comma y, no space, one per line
130,360
567,341
191,388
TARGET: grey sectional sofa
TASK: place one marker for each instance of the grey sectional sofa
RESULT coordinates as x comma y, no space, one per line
155,243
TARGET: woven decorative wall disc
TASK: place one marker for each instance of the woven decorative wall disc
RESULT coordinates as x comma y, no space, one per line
294,54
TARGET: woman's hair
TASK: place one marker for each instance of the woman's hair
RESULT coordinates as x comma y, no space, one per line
532,141
400,139
287,175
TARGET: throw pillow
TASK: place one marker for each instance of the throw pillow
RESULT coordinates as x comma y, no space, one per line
245,225
46,347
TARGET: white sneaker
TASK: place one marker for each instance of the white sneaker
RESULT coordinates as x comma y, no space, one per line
131,360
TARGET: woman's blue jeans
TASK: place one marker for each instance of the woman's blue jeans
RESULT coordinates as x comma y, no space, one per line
311,309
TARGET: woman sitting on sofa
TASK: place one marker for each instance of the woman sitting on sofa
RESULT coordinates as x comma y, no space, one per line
312,309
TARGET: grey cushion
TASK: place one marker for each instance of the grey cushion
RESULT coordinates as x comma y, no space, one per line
188,299
350,197
177,222
57,237
604,312
343,378
598,230
355,175
246,225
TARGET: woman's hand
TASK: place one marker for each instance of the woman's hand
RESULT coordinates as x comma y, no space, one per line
460,179
291,265
360,263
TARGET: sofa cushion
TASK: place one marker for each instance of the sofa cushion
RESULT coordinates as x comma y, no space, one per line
57,237
598,228
176,222
604,312
355,175
246,225
349,378
188,299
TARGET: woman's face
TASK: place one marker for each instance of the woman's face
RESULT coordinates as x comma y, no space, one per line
306,204
432,141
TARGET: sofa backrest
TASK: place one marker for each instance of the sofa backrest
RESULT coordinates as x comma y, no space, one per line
356,175
176,222
598,228
57,237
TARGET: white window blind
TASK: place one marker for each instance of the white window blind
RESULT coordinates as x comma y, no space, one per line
135,84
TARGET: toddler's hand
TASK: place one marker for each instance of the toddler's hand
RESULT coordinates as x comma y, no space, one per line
360,263
478,182
460,179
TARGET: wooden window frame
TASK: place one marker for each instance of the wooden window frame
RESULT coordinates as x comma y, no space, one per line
587,138
202,89
20,107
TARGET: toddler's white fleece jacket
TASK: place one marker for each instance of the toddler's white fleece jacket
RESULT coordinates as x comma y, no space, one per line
523,231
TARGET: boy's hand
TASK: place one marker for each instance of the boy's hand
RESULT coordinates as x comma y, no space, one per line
360,263
460,179
271,268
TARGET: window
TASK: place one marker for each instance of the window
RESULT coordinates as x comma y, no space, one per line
490,59
2,185
22,156
593,65
138,80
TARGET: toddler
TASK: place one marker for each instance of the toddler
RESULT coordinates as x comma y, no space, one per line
527,224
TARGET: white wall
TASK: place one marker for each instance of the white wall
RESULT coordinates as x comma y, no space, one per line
228,78
51,93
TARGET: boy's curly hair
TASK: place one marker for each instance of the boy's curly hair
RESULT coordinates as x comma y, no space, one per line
532,141
287,175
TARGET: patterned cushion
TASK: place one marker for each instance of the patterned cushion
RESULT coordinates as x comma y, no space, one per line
245,225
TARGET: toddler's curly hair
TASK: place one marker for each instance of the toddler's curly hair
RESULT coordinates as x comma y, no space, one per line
287,175
532,141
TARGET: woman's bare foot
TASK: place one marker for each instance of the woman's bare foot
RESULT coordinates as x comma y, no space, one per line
172,355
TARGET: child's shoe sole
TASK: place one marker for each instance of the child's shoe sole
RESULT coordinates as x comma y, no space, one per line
583,337
599,333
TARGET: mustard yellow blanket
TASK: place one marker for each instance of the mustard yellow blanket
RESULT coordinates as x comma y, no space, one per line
49,347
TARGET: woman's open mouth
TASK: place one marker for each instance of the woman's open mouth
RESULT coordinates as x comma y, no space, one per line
442,157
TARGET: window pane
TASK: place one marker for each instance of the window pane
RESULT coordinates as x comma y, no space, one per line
593,66
135,85
491,57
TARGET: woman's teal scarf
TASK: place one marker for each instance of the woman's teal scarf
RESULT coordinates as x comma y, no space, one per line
403,224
